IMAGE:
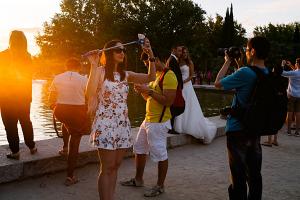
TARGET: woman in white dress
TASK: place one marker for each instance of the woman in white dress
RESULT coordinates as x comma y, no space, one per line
192,121
107,92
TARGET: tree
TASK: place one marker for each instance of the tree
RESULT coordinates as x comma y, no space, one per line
296,43
233,33
223,32
282,39
83,25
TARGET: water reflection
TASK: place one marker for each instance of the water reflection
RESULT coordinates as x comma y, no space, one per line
41,115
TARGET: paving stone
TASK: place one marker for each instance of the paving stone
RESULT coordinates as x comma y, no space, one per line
47,160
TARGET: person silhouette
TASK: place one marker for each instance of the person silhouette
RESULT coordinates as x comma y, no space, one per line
16,74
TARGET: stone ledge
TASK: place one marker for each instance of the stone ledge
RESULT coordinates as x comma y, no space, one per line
212,88
47,159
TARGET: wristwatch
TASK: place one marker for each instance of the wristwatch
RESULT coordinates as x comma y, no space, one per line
152,59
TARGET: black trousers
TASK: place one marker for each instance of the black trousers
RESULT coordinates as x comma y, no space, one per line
11,113
245,160
76,123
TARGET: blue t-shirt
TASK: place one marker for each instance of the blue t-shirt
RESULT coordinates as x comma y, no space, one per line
242,81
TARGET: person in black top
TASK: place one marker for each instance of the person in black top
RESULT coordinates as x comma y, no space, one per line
16,92
173,64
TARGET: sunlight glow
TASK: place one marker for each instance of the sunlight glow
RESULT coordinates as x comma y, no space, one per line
29,15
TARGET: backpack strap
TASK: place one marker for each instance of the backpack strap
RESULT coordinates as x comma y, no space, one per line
260,76
162,114
161,78
160,84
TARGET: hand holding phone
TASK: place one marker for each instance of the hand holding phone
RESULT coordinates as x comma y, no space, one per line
283,63
147,48
141,38
94,58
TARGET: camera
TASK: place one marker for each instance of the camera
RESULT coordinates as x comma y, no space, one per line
286,65
287,68
236,111
232,52
141,39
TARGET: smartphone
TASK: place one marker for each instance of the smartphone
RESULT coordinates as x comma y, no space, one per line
141,38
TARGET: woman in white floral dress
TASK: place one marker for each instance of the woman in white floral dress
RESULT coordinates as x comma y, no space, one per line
107,92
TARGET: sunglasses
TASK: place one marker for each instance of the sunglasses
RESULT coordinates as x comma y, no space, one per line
120,50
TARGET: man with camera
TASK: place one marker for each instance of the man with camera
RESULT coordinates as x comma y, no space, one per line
244,150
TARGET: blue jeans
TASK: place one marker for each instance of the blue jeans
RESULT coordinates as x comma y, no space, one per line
245,160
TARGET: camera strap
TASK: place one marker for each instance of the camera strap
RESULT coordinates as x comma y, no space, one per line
160,83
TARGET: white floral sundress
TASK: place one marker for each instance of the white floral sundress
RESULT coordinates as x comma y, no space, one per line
111,127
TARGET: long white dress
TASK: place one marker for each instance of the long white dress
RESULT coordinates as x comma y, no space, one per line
192,121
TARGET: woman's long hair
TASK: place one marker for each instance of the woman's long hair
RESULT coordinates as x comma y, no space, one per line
187,60
18,46
107,60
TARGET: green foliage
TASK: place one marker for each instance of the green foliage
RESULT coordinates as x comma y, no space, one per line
284,39
83,25
232,32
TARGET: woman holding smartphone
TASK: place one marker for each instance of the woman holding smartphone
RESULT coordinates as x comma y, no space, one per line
107,91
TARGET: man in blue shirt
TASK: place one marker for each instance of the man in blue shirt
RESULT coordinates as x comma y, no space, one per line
244,150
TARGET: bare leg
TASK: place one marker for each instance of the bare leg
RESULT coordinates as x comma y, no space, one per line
289,119
73,154
162,172
297,114
120,153
270,139
66,137
108,171
140,163
275,141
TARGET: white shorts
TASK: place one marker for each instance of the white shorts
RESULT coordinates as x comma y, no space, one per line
152,138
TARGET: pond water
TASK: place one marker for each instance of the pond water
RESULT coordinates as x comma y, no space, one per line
41,115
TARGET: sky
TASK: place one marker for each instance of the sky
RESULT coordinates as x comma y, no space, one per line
29,15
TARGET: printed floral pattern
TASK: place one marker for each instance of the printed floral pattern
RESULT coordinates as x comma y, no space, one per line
111,127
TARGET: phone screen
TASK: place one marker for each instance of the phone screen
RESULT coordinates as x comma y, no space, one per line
141,38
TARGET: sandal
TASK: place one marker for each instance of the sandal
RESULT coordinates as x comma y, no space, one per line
155,191
15,156
71,181
267,144
33,150
63,152
132,182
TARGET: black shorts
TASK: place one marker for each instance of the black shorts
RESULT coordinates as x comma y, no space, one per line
294,104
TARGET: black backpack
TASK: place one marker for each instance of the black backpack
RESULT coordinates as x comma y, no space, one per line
266,109
178,106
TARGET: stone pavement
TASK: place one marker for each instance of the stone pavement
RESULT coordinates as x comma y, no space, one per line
196,172
47,159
